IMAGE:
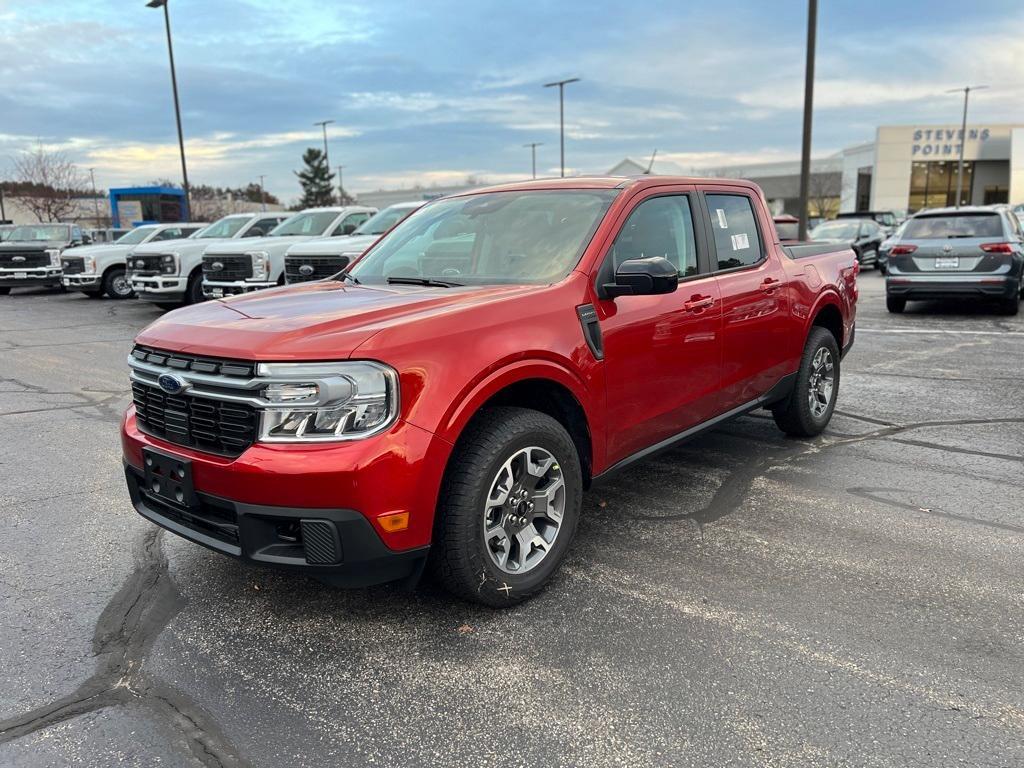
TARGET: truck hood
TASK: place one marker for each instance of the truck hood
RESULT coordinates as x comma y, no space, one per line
180,244
333,246
33,245
244,245
324,320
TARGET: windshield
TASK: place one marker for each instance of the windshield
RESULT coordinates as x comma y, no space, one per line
954,225
496,238
381,222
313,223
836,230
226,227
135,236
39,232
5,232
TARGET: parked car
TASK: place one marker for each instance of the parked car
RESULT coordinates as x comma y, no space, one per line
102,269
887,220
453,405
171,273
887,245
30,256
864,236
108,235
972,252
231,268
787,227
317,259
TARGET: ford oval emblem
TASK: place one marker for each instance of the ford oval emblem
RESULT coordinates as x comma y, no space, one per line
172,384
306,270
17,258
140,264
217,266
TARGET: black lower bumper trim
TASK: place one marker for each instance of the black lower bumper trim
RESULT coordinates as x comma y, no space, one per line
343,548
53,281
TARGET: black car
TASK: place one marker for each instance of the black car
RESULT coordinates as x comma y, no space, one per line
970,252
864,236
885,219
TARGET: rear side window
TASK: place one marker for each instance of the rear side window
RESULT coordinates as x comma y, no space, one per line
954,225
736,238
660,226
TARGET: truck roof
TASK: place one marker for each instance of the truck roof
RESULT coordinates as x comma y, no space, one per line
606,182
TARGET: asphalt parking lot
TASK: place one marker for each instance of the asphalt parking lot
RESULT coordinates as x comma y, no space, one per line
855,599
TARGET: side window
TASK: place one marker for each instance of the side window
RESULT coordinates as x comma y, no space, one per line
350,223
659,226
735,228
76,233
170,233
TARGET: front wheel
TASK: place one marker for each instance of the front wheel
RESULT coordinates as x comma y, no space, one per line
509,506
808,409
194,291
116,285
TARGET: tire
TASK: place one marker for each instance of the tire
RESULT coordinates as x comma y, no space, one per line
116,285
880,266
94,294
194,289
5,291
895,305
1010,306
795,415
492,448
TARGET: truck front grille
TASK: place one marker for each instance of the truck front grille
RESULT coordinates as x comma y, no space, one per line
144,265
301,269
226,268
214,426
73,265
23,259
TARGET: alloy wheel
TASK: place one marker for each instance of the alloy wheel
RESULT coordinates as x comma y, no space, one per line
821,383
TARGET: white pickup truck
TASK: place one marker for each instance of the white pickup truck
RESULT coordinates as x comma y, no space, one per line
317,259
171,273
231,268
101,269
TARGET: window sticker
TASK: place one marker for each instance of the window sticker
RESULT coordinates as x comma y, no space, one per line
722,223
740,242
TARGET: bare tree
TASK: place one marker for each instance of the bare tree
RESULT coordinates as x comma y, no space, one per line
51,183
823,193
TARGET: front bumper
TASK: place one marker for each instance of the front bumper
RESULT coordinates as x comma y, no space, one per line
159,288
82,280
343,488
214,290
24,278
951,286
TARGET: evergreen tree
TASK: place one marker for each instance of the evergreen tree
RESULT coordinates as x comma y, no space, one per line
316,179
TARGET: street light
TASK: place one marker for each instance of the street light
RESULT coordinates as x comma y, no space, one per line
561,113
177,106
533,154
963,136
805,150
323,124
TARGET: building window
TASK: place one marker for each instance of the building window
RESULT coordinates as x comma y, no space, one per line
863,189
996,194
933,184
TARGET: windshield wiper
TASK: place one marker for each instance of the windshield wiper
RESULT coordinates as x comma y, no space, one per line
346,276
421,281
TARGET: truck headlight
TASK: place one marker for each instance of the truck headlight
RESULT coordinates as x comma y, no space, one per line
260,265
169,263
88,263
322,402
54,255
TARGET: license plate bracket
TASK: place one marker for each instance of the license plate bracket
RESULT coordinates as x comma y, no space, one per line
947,262
21,275
169,479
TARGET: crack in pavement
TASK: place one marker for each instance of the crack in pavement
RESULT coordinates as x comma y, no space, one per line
122,639
872,494
102,406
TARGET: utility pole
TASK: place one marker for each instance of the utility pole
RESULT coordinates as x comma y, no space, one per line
341,187
561,113
963,138
263,193
177,106
95,200
323,124
3,212
805,152
533,154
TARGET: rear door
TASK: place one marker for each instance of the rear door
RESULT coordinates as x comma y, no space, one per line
756,320
662,354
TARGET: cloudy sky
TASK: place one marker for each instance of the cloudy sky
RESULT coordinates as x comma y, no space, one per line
434,91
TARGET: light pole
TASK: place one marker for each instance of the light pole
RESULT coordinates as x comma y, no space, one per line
963,137
95,200
341,187
533,154
323,124
561,113
263,193
805,150
177,106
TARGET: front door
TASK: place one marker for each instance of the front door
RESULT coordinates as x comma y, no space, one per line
662,353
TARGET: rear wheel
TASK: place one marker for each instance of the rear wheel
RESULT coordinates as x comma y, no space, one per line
895,304
116,284
1010,306
808,409
509,506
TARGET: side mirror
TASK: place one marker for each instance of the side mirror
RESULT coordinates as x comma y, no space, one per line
643,277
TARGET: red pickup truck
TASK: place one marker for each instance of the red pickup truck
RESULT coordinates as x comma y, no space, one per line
446,401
